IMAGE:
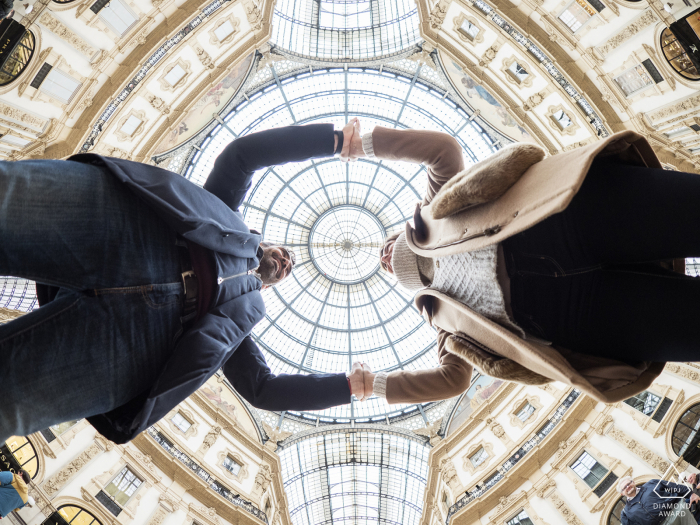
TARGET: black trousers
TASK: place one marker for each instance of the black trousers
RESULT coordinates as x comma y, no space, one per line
587,278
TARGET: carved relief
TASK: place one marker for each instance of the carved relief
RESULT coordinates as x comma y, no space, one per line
449,474
55,482
535,100
569,516
647,18
438,13
209,440
431,432
56,27
262,481
657,462
275,435
204,57
687,105
254,15
157,103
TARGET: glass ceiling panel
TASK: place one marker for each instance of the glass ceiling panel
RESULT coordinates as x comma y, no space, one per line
355,477
345,29
339,306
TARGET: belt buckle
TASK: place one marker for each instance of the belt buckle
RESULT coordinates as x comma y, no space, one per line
185,276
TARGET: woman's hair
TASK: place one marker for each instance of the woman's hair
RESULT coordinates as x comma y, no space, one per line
25,476
389,239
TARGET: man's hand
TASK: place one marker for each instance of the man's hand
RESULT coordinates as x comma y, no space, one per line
694,498
352,142
357,381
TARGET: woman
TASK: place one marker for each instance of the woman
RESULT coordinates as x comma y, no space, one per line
536,270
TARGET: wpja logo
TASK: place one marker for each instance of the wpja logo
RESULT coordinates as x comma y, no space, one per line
675,495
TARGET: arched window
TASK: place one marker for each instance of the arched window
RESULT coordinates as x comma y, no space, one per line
14,62
77,516
24,454
685,435
615,515
677,56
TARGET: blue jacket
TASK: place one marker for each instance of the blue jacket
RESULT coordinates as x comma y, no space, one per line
653,502
10,499
209,216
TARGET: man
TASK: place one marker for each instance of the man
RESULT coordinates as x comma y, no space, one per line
14,493
149,285
656,501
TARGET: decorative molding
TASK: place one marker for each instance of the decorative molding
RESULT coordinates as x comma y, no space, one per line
690,104
657,462
507,62
534,100
467,464
569,515
123,137
275,436
209,441
254,15
518,405
553,123
204,57
643,21
58,480
235,23
157,102
438,13
262,481
457,24
60,30
238,458
194,424
165,85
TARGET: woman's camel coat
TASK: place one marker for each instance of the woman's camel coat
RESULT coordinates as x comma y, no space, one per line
465,338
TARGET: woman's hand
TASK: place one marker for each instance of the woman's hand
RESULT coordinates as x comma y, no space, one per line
352,141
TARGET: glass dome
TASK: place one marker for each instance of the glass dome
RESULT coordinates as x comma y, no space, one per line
340,306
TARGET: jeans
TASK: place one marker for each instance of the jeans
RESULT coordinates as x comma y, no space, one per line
106,336
587,278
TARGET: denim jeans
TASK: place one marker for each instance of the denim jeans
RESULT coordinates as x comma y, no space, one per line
110,329
587,278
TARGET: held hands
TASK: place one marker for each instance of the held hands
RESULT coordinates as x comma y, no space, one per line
361,380
352,142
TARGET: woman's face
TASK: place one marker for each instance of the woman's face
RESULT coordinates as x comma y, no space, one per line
385,259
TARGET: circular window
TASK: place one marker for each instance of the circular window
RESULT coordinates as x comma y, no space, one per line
18,59
676,56
686,435
344,242
77,516
339,306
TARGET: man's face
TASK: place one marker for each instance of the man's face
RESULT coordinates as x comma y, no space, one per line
630,490
385,258
275,265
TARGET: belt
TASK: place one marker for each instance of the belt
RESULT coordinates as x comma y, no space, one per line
189,283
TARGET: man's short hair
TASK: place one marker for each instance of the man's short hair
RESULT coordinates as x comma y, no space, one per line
25,476
622,482
292,255
389,239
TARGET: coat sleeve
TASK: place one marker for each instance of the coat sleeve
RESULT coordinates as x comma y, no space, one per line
439,152
234,168
449,379
250,375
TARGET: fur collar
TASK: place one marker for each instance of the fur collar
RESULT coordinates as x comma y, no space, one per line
487,180
493,365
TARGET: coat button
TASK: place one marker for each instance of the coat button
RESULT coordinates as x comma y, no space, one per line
515,214
224,234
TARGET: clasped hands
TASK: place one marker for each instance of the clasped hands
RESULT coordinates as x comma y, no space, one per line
361,381
352,142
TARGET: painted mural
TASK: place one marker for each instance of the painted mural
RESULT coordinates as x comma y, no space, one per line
483,388
479,98
201,113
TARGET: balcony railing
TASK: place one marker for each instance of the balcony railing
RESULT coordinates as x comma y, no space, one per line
205,476
518,455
